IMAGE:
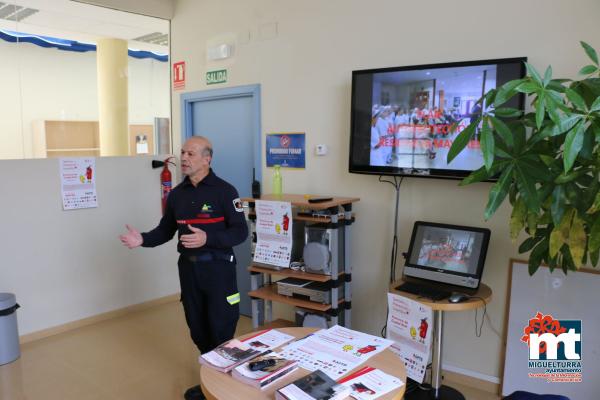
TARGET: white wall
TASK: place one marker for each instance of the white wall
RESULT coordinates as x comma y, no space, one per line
67,265
50,84
305,74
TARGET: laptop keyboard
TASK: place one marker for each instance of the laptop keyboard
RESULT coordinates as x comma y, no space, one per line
424,291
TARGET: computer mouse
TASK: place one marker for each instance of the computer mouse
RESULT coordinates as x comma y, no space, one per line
457,297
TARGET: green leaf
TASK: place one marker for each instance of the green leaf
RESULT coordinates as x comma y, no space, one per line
588,69
595,206
462,140
507,112
500,152
476,176
568,264
547,159
547,75
489,97
498,192
568,177
531,71
587,147
487,144
536,169
556,85
573,144
594,255
506,92
576,99
558,204
502,130
527,187
528,87
556,242
595,105
482,174
596,129
529,243
517,218
566,124
552,109
540,111
594,240
535,258
519,135
532,222
577,240
590,52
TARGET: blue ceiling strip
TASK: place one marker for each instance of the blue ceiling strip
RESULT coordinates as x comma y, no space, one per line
71,45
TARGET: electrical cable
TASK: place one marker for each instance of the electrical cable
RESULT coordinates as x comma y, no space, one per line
394,256
492,327
478,334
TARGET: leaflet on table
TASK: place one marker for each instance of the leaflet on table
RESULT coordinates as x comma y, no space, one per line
274,233
234,352
409,325
268,339
336,351
358,344
314,386
78,183
369,383
229,355
267,375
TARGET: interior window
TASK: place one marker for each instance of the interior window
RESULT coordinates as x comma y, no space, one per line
81,80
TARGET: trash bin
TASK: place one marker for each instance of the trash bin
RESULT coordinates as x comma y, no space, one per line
9,333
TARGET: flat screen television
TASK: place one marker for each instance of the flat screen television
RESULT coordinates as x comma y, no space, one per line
448,254
401,117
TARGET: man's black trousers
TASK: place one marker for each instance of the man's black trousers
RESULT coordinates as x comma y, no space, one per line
210,300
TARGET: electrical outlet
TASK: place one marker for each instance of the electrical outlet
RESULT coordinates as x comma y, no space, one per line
321,149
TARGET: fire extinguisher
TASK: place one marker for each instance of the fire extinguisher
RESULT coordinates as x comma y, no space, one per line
166,180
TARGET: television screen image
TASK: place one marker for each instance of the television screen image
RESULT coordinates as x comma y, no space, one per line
447,249
402,117
448,254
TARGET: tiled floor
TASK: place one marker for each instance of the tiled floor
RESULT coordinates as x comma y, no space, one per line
146,355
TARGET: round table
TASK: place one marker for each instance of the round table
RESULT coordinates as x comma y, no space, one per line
217,385
477,300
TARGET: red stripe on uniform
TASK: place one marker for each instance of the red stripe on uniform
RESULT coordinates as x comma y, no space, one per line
201,220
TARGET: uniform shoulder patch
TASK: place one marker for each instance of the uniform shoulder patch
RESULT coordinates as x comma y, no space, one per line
237,204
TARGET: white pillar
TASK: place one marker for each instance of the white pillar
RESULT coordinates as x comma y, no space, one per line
111,61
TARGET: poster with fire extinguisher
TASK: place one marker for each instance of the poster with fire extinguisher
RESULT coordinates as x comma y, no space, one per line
273,233
78,183
410,325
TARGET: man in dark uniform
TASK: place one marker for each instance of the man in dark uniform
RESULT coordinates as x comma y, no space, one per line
208,216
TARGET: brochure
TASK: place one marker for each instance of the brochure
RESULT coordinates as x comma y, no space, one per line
315,386
369,383
335,351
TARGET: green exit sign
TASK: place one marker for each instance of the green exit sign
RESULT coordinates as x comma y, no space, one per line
219,76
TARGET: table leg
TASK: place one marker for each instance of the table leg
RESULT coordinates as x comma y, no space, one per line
437,390
436,362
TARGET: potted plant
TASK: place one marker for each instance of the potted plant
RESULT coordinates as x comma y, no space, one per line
547,162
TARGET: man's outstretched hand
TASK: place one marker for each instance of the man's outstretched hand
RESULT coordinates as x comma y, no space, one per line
132,238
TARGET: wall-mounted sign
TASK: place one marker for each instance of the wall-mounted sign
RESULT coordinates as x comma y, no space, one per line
219,76
286,149
78,183
179,75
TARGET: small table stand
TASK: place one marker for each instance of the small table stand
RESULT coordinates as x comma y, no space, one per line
439,391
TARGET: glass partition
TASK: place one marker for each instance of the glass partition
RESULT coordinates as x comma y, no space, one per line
82,80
